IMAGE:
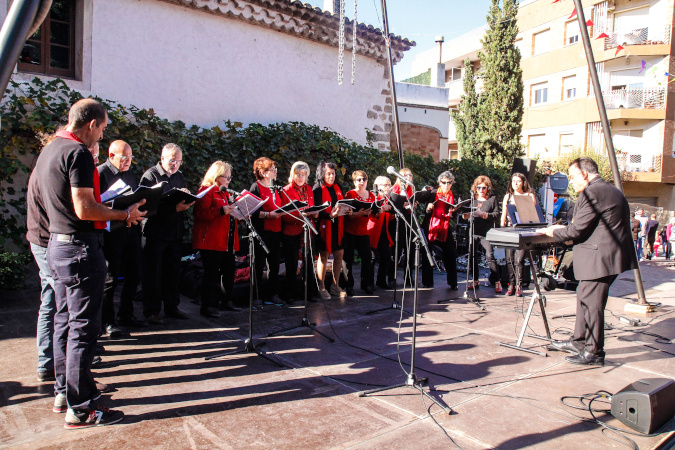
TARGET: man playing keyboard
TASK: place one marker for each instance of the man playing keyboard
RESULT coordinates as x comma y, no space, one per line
603,248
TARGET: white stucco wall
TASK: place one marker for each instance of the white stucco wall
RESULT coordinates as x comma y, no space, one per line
203,69
420,104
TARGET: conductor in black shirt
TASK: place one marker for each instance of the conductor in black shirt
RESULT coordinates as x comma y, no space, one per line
163,237
603,248
121,247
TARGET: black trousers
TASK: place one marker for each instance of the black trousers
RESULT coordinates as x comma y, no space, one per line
292,246
272,240
361,244
515,262
404,242
218,271
589,330
78,267
383,254
478,243
122,250
161,277
449,249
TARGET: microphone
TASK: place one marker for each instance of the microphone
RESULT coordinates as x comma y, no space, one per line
229,191
274,187
397,174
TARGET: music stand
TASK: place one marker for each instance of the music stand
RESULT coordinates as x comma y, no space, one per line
306,224
412,380
249,345
469,264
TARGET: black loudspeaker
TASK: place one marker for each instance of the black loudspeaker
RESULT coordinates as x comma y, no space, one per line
526,166
646,404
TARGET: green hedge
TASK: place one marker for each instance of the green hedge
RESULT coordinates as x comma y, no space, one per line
13,270
34,109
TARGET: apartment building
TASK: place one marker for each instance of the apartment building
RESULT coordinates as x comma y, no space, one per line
632,46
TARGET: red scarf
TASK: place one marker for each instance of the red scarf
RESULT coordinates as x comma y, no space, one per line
375,225
326,225
440,217
98,225
273,225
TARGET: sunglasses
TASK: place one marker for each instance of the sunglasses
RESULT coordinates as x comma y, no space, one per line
446,182
361,179
481,188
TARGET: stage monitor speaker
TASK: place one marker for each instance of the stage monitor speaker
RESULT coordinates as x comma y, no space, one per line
646,404
526,166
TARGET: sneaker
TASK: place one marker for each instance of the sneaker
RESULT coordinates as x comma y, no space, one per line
498,288
511,290
519,291
45,376
336,291
325,295
96,417
60,403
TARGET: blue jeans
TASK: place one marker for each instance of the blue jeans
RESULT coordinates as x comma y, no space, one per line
45,322
640,245
79,270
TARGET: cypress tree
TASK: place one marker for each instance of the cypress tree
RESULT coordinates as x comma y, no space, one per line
489,123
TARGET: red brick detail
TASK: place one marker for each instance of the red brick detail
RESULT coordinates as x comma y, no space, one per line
419,139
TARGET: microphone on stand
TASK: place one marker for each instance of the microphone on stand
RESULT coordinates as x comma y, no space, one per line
274,187
229,191
397,174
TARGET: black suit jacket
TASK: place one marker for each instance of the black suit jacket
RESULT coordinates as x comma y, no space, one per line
601,232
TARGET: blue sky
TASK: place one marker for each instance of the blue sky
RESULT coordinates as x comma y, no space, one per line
420,21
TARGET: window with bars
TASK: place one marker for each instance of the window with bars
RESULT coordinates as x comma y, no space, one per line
51,49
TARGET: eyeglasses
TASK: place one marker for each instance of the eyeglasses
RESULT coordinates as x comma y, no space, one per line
175,161
446,182
358,180
227,178
481,188
123,158
272,169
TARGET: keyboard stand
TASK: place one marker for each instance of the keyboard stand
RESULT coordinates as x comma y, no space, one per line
536,297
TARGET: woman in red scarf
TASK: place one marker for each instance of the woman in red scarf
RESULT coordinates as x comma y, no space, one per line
381,240
292,236
330,228
215,235
268,226
439,231
357,237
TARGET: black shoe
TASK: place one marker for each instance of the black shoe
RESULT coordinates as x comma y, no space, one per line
103,388
564,346
132,322
275,301
97,361
427,286
45,376
350,291
228,306
385,285
586,359
155,319
453,287
211,313
368,290
177,314
96,417
114,331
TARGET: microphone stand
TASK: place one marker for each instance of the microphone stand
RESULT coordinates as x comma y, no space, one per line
249,345
412,380
306,227
469,265
394,304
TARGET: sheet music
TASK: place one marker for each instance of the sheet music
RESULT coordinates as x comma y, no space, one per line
246,205
119,187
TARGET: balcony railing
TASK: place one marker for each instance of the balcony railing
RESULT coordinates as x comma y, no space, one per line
653,98
638,162
641,36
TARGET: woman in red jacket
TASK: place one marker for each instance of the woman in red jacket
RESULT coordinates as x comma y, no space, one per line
215,235
356,236
381,239
268,225
292,236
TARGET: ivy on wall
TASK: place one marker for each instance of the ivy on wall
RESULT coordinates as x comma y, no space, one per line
34,110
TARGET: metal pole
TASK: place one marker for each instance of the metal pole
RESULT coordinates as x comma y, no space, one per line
396,127
13,34
605,126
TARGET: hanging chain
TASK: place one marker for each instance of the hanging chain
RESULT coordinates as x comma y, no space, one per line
341,42
354,24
